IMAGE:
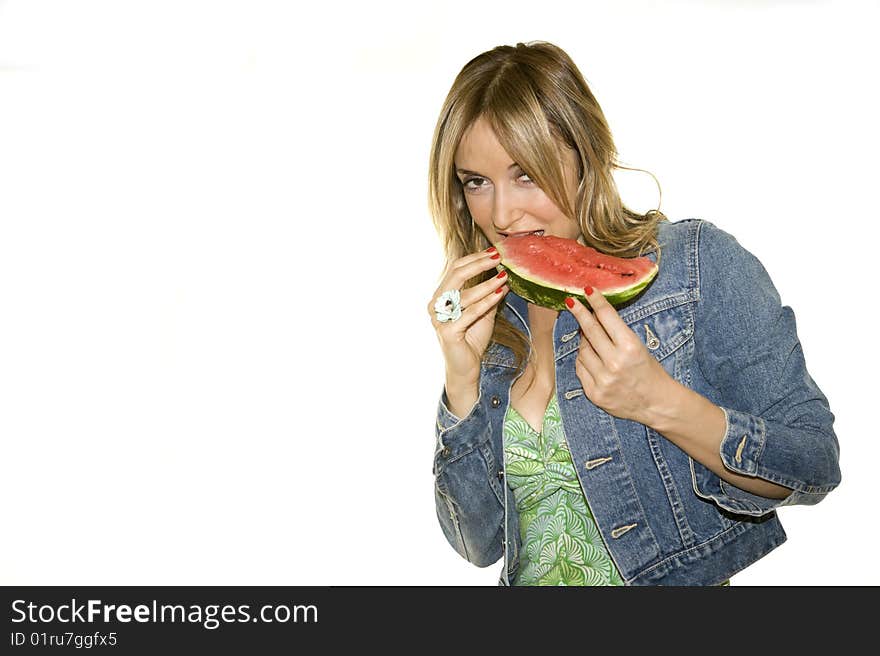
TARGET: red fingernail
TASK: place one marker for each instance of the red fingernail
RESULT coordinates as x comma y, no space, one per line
502,274
500,289
569,301
491,249
588,290
495,257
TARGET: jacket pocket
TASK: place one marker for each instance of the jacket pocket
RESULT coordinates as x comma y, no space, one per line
664,327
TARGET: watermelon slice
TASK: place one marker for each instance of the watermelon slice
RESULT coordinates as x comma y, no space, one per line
544,270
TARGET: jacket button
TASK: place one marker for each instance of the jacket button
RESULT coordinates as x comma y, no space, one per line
495,401
500,474
445,453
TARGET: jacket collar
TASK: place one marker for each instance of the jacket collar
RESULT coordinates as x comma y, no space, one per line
518,310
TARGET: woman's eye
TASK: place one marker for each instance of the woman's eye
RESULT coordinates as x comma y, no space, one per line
526,176
467,183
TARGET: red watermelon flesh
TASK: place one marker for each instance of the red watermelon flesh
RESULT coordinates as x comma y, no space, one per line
546,269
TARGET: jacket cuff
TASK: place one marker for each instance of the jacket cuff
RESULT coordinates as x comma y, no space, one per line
740,450
743,442
445,418
708,485
457,436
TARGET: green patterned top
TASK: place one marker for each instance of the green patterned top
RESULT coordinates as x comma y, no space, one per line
561,544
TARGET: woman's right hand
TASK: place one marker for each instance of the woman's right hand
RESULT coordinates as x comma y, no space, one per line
464,340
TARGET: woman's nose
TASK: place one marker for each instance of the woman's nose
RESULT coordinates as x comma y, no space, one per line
505,211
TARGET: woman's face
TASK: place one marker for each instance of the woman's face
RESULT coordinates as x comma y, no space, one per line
501,198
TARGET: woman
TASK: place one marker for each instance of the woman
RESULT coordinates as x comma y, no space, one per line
648,444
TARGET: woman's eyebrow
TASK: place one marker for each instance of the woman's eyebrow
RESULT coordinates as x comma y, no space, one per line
466,172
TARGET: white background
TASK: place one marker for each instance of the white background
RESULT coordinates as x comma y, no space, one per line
216,366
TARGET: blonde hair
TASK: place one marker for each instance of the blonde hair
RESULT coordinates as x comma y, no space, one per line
537,103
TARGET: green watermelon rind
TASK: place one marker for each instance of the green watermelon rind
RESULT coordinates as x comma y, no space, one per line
554,297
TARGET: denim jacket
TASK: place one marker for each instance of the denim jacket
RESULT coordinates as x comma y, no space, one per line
713,319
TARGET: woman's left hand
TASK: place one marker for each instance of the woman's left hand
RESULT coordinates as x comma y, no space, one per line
616,370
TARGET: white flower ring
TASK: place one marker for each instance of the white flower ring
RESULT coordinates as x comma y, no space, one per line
448,306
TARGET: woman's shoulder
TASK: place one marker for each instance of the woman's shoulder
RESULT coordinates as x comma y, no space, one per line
682,227
698,227
699,240
695,252
714,258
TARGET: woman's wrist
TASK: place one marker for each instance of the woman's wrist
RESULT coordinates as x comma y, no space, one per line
461,394
666,411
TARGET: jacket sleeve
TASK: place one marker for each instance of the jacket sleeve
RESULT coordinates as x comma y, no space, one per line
779,424
466,488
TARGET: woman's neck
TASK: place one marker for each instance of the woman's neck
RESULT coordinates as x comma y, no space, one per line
541,319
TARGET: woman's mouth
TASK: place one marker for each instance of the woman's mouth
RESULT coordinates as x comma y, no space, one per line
539,233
